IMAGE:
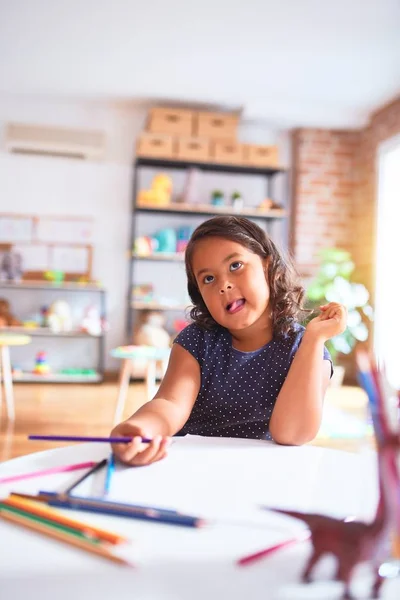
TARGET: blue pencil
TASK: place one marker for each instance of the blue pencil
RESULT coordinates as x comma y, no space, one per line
119,510
45,496
109,473
82,438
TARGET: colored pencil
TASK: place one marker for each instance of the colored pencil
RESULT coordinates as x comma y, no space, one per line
52,471
51,524
125,510
109,473
96,467
82,438
44,497
247,560
63,537
36,508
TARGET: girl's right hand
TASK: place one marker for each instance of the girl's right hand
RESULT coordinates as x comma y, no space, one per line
136,453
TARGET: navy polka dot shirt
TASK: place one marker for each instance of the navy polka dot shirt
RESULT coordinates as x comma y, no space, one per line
238,389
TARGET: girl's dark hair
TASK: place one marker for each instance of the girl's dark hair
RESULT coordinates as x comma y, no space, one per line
286,294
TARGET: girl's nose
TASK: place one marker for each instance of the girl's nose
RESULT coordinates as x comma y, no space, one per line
225,287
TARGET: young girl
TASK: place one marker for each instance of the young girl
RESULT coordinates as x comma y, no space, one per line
244,367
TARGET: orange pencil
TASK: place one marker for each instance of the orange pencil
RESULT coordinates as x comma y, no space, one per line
51,514
63,537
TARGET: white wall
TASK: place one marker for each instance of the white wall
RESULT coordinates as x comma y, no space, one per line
57,186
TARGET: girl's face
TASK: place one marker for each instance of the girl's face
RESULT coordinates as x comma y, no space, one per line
232,282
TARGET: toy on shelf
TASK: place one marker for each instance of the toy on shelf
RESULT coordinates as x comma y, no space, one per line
165,240
183,236
143,292
150,330
91,322
54,276
266,204
144,246
7,319
41,365
11,266
159,194
59,317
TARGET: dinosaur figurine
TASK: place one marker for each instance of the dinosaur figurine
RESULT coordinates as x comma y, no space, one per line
353,542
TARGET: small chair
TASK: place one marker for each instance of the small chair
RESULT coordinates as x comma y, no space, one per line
7,340
128,354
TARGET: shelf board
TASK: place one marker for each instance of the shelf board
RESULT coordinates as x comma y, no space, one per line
159,256
209,209
43,285
161,163
56,378
47,332
158,306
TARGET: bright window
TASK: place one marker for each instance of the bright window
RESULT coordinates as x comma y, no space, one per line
387,297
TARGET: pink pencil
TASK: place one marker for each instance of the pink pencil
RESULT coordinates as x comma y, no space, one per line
246,560
60,469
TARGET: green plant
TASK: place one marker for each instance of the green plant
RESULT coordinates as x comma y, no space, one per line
333,284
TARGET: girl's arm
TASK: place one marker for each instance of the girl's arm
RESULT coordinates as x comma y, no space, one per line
298,409
164,415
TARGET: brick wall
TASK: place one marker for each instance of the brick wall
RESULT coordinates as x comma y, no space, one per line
324,185
334,191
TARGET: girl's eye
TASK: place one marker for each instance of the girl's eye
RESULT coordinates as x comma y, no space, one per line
208,279
235,266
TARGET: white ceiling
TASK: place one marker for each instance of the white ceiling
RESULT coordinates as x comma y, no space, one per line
285,62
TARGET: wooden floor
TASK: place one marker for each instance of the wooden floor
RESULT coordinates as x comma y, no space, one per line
89,410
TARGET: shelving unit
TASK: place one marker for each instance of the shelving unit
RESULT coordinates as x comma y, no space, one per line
193,210
71,288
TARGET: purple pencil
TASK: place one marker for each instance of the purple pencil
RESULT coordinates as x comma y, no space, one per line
78,438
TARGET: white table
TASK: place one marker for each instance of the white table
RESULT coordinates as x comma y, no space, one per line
223,479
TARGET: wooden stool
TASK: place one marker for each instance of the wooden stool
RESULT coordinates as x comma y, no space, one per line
7,340
128,354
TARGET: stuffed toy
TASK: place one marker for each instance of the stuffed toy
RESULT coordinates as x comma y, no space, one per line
150,330
7,319
11,266
59,317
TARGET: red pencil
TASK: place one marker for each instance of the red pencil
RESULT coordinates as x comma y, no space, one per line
246,560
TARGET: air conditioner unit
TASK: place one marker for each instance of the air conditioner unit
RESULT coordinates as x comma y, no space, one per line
54,141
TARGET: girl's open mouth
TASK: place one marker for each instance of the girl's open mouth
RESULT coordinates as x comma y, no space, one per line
235,306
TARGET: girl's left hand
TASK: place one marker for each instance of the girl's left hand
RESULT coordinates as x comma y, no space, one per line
331,321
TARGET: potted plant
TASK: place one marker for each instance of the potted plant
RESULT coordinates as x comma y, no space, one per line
333,283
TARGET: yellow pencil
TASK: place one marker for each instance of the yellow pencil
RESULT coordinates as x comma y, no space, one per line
63,537
36,508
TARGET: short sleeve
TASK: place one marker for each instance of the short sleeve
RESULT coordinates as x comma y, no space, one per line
327,356
192,339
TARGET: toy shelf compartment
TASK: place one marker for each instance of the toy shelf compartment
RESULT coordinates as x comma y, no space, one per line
77,375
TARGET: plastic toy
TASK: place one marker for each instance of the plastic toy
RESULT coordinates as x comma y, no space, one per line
144,246
355,542
54,276
41,365
159,194
183,236
165,240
